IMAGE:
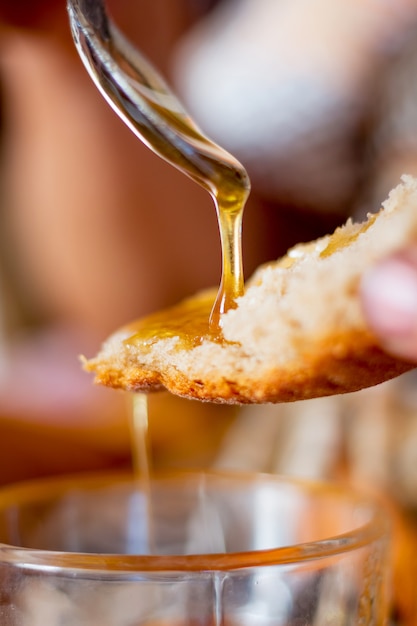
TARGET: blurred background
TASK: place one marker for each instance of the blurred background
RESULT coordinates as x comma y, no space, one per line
319,101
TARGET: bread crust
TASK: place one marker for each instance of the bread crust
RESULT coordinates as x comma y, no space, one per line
335,365
297,333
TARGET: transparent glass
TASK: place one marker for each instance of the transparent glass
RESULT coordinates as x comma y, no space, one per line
200,549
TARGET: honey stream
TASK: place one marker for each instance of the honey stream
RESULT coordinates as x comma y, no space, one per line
142,98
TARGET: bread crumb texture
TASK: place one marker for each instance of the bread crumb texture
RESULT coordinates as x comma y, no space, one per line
298,331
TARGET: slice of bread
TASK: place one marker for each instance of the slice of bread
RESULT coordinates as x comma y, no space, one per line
298,331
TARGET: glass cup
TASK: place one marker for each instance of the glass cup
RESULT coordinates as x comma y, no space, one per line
191,549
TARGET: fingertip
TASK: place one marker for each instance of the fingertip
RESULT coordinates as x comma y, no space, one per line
389,299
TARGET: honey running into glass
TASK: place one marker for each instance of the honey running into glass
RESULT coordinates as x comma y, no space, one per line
141,460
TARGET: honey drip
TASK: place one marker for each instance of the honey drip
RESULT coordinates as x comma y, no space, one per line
141,97
141,460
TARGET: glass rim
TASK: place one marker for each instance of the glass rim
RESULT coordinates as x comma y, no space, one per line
40,559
